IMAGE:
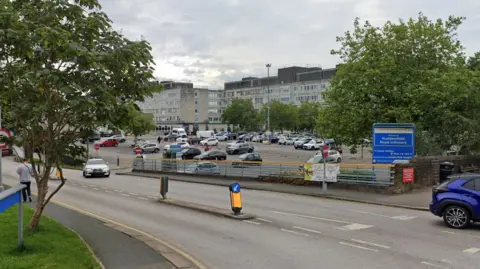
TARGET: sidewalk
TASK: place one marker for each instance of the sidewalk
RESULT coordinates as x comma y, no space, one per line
418,200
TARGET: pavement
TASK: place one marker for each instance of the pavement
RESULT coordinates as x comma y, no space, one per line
289,231
418,200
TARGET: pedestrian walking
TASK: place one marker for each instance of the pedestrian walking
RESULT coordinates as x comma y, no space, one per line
25,173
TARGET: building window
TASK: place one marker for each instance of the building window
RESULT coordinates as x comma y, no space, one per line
195,93
196,102
196,111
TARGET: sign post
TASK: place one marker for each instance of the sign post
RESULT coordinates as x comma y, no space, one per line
393,143
8,199
324,156
138,150
97,147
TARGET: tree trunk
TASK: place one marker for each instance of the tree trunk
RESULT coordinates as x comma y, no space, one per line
40,205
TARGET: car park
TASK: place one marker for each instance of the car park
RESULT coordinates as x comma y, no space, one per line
456,200
239,147
209,141
248,159
205,168
221,137
96,167
190,153
212,155
107,142
149,148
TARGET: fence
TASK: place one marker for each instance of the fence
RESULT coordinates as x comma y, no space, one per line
349,173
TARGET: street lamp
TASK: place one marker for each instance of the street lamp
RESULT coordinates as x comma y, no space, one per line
268,97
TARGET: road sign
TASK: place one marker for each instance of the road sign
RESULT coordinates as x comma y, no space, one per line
6,133
408,175
325,151
175,148
138,150
393,142
235,187
97,146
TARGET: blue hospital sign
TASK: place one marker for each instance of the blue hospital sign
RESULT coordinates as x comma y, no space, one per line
393,143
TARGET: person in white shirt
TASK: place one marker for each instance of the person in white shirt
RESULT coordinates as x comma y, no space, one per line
25,172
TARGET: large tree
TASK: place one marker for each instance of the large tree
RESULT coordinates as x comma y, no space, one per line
307,115
64,70
242,113
282,116
410,71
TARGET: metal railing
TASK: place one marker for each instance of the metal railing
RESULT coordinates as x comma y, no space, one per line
349,173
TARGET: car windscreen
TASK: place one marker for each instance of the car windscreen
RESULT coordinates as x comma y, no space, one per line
94,162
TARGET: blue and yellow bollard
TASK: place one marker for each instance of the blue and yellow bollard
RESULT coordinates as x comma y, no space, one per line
235,198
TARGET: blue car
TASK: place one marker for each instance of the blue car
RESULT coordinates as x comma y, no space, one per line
457,200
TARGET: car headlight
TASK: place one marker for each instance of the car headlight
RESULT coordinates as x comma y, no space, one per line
89,170
105,169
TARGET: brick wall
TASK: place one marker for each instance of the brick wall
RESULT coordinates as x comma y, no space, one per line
427,170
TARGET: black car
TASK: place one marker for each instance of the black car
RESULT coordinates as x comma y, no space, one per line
248,159
171,137
190,153
212,155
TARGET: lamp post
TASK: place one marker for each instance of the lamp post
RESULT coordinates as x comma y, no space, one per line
268,97
1,155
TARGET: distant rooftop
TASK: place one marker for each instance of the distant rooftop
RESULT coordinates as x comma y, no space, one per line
285,75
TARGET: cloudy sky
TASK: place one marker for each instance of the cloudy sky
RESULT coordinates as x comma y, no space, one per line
209,42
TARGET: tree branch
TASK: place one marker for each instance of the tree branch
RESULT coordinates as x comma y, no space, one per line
63,180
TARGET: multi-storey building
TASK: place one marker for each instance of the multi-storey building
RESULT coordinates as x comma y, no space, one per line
180,104
291,85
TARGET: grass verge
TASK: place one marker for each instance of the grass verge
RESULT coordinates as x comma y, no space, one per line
52,247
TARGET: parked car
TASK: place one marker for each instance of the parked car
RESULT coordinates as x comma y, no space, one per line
194,140
121,138
313,145
183,145
299,143
149,148
182,139
333,155
209,141
221,137
212,155
239,147
456,200
107,142
248,159
96,167
257,138
171,137
91,138
205,168
190,153
317,159
139,143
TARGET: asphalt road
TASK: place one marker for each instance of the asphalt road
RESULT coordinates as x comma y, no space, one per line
290,231
270,153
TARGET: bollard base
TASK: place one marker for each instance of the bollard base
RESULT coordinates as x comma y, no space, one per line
220,212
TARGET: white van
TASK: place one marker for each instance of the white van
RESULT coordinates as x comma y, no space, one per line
205,134
179,132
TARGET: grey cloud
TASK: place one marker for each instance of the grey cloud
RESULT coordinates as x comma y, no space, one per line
228,39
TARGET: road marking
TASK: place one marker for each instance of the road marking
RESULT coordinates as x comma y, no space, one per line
368,213
84,186
252,222
462,234
356,246
95,189
107,191
264,220
433,265
177,250
404,217
355,227
143,198
124,194
471,250
293,232
131,193
307,230
312,217
118,190
152,197
369,243
448,232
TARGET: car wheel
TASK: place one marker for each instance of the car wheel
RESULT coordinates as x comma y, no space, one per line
235,152
107,176
456,217
339,160
156,150
250,150
84,175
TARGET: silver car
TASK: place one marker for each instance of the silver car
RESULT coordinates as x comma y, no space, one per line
149,148
96,167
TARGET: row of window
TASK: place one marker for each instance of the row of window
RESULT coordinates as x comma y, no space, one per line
307,98
214,119
168,118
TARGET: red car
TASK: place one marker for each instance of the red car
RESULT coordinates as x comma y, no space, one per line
109,142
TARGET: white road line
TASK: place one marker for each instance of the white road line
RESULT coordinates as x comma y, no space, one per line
152,197
462,234
356,246
448,232
312,217
143,198
264,220
368,213
433,265
131,193
118,190
369,243
293,232
107,191
124,194
403,217
84,186
95,189
252,222
307,230
471,250
355,226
